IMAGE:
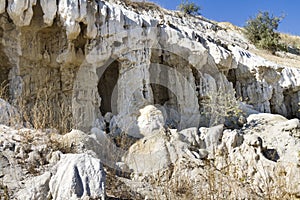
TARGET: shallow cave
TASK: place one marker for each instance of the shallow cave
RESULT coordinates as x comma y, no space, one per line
160,70
231,77
107,87
162,95
271,154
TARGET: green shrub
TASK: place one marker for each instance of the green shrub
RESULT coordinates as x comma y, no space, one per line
261,31
189,8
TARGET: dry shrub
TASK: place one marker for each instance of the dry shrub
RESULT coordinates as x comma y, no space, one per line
4,194
213,182
4,90
42,110
219,107
47,110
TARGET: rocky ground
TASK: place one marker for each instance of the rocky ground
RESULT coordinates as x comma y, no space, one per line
257,161
125,100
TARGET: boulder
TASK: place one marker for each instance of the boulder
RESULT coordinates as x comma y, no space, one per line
232,139
212,137
154,153
36,188
78,176
8,114
191,137
150,121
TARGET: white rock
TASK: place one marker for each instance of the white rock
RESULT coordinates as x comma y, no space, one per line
2,6
55,157
78,176
278,133
49,10
212,137
266,117
153,154
108,116
70,13
190,136
203,153
21,11
232,139
8,114
35,188
254,140
150,121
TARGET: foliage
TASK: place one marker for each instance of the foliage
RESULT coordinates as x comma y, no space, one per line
219,107
189,8
261,31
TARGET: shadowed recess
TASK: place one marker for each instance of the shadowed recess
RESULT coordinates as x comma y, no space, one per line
107,84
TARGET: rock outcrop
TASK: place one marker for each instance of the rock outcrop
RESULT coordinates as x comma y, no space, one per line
82,55
167,104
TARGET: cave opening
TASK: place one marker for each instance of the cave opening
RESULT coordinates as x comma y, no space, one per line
163,86
231,77
162,95
108,88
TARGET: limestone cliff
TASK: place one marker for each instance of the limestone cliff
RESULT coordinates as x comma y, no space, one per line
168,106
93,57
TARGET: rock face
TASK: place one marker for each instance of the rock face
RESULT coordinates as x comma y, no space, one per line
91,54
78,176
150,93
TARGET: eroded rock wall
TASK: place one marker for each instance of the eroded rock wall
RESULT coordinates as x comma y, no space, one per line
58,51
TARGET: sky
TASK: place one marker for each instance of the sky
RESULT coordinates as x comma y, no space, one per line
239,11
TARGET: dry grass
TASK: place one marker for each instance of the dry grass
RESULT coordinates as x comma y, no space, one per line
284,60
41,111
230,26
4,90
4,194
142,5
225,183
290,40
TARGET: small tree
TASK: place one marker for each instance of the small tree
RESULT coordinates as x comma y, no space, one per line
189,8
261,31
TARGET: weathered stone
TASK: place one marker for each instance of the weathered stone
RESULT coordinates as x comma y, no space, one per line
36,188
49,10
150,121
78,176
20,11
212,137
2,6
153,153
9,115
160,65
190,136
232,139
100,63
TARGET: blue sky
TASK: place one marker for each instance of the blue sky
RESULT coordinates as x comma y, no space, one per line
238,11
